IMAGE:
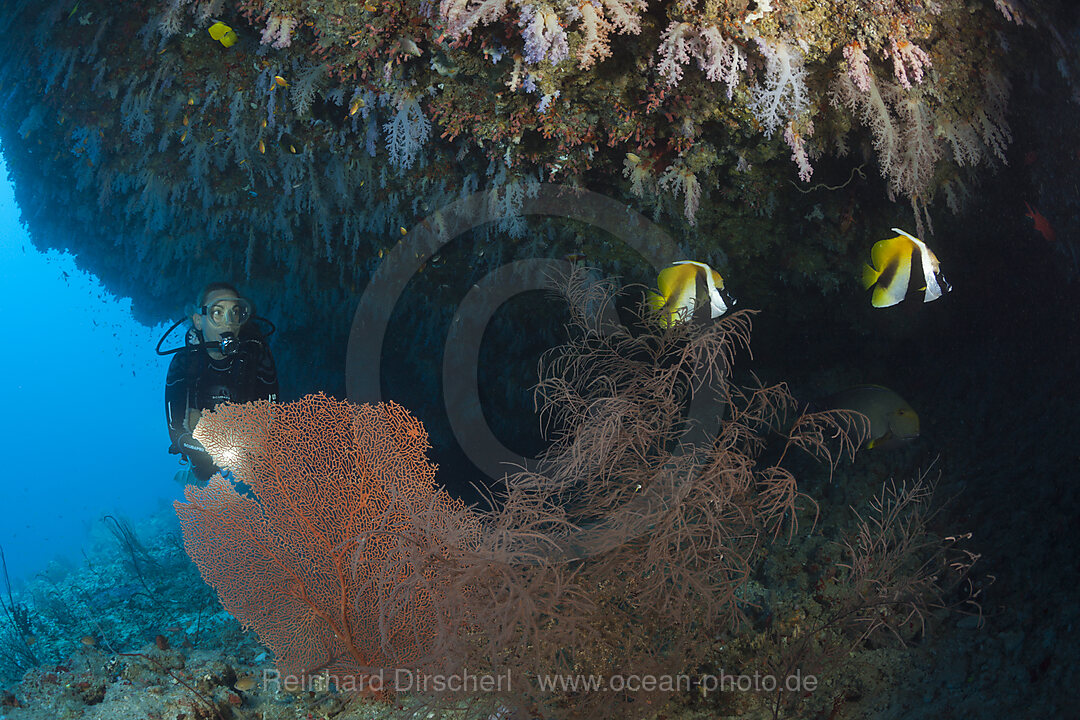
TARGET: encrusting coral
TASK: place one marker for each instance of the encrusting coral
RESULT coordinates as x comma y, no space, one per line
328,126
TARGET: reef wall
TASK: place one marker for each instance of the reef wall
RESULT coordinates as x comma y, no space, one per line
292,158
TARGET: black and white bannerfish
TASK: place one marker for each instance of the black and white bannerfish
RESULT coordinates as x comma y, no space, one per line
684,287
889,271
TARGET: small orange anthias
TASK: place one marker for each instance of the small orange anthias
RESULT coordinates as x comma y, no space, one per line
1041,223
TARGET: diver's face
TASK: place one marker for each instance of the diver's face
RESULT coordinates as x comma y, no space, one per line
226,313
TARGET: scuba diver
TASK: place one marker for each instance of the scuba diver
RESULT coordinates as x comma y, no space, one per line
224,358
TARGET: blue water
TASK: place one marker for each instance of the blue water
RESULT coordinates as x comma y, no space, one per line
83,429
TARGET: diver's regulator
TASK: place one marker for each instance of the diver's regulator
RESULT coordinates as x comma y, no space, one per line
229,344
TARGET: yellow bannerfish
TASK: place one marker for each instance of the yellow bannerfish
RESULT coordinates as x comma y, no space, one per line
685,286
893,422
889,272
223,34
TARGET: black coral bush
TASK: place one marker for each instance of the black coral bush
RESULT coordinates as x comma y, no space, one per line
621,555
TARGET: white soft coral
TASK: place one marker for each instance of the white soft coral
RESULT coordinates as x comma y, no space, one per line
782,96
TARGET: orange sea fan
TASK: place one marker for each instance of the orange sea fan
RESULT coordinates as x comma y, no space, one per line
321,557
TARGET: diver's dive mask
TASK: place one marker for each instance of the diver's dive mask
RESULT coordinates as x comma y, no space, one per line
227,311
231,313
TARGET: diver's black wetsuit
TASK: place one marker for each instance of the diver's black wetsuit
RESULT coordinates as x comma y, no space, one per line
197,381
